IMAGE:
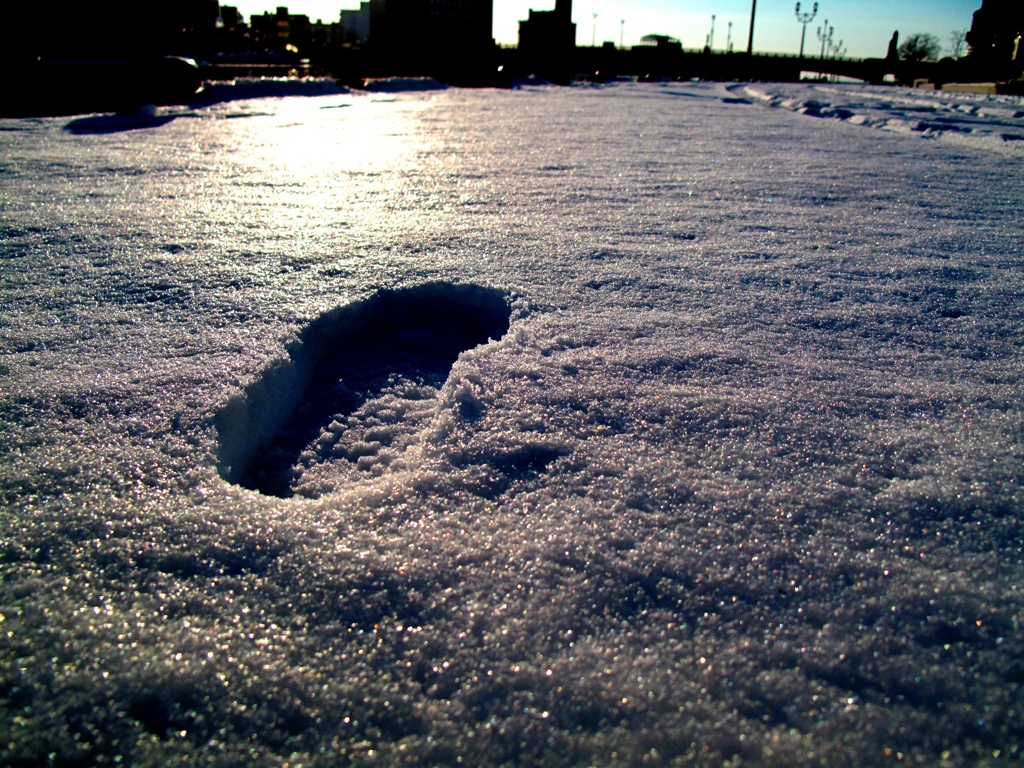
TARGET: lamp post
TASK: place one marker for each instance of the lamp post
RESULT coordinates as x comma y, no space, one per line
728,39
622,33
805,18
711,37
750,37
838,51
825,35
593,34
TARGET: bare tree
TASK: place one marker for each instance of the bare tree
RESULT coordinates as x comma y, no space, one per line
920,47
957,42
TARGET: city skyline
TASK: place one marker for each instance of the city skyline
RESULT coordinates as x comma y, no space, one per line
863,26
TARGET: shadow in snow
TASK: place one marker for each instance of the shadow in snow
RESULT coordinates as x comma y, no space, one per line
116,123
342,359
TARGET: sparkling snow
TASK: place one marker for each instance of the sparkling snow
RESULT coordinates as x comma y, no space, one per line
668,424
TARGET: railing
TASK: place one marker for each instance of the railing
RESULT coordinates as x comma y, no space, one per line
703,52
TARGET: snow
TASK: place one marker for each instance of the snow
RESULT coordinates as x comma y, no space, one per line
995,123
214,91
672,428
400,84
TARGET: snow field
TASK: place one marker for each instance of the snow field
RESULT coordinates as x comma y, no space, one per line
739,484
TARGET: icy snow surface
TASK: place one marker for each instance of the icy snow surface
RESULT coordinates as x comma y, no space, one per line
636,425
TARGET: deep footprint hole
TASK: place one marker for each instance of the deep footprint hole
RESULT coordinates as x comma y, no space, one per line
342,359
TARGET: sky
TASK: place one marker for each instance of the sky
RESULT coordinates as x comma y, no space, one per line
863,26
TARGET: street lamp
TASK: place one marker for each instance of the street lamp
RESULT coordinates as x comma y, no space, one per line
805,18
711,37
593,34
838,51
825,35
750,37
728,39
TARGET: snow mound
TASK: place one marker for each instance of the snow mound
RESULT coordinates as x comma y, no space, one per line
400,84
266,87
529,82
117,123
989,122
358,383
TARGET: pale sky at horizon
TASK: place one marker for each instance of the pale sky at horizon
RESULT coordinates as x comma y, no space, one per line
864,26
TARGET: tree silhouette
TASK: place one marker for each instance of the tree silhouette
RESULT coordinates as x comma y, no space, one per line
920,47
957,42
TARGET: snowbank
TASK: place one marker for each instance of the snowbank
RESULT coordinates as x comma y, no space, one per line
402,84
213,92
991,122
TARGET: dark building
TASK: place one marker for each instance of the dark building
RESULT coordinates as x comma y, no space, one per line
112,29
104,56
355,23
549,30
547,42
280,31
233,34
230,17
661,43
995,29
658,56
448,39
293,34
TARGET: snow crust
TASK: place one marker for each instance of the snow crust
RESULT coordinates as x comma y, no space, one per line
738,483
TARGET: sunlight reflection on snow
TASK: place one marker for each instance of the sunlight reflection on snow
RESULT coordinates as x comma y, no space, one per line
304,167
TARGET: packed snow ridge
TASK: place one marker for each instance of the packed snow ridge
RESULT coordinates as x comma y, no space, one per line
992,122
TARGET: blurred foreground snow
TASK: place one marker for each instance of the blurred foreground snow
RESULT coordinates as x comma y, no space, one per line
737,477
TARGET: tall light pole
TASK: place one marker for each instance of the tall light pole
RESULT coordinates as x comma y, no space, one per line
805,18
728,39
825,35
622,33
835,50
711,37
593,34
750,39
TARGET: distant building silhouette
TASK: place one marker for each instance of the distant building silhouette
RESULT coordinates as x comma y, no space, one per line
355,24
547,42
994,30
111,29
545,30
658,56
450,39
285,33
230,17
279,31
232,32
662,42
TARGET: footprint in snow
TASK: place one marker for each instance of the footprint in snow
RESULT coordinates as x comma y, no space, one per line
357,386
